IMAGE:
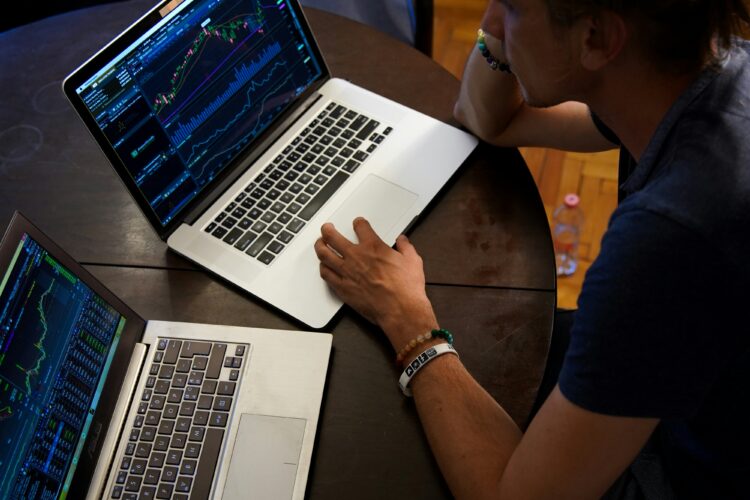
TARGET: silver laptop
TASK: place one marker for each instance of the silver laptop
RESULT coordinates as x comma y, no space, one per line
95,402
224,123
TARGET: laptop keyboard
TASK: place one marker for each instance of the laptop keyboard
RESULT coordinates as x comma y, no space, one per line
173,446
270,211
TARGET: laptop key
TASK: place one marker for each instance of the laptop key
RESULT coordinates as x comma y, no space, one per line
183,484
117,492
218,419
200,362
197,433
164,491
156,460
183,425
192,450
152,418
169,474
368,129
226,388
266,258
295,226
358,122
161,443
174,457
147,493
222,403
233,236
215,362
138,468
188,467
351,166
179,439
258,245
207,463
275,246
179,380
219,232
323,195
200,418
133,484
173,350
152,476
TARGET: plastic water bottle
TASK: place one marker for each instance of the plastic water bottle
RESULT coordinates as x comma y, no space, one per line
567,221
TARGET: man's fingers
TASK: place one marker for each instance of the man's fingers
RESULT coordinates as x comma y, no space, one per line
327,256
334,239
364,231
330,276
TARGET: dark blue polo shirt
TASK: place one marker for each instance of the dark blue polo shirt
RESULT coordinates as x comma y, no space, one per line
663,325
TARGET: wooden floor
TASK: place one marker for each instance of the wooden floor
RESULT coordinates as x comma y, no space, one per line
592,176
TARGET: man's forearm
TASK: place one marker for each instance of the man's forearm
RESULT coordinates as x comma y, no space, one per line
471,436
488,99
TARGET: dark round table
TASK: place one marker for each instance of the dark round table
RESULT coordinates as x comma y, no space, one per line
485,243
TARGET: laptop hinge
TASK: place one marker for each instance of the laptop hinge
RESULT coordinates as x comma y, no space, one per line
116,425
260,149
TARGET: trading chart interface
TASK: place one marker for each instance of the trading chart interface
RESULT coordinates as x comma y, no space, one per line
57,340
181,102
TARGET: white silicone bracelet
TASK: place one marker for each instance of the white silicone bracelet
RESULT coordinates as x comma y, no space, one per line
419,362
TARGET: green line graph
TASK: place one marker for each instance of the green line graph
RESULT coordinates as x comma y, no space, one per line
39,345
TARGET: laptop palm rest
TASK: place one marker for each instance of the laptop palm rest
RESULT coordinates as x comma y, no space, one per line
265,457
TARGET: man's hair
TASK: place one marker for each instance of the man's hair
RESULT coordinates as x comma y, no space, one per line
678,35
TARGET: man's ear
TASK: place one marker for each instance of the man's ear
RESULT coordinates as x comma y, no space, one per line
603,36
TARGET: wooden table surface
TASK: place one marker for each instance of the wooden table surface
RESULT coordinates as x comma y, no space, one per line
485,243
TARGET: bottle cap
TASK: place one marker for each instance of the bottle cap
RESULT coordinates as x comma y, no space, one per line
571,200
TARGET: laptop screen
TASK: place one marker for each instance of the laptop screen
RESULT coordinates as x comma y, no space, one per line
57,342
181,102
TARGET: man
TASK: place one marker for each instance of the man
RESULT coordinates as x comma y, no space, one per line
658,356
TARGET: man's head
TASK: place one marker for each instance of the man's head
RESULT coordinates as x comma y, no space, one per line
677,35
566,49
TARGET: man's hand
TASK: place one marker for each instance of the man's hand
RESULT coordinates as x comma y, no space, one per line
384,285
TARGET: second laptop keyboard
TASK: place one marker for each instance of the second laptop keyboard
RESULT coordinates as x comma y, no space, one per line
272,209
174,443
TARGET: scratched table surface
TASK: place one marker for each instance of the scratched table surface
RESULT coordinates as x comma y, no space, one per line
485,243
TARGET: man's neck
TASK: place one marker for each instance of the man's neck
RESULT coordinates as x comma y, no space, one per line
633,105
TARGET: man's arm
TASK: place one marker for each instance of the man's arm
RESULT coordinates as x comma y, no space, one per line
567,452
491,106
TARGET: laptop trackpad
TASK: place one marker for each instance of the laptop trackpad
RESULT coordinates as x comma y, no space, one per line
265,456
379,201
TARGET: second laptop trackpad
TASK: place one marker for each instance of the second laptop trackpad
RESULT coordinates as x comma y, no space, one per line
265,457
379,201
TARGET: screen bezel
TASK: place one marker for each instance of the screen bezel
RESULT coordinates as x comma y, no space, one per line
131,334
213,189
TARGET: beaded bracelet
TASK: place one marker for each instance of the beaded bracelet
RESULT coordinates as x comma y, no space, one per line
421,339
493,61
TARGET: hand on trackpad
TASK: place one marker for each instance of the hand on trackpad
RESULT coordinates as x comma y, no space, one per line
381,202
264,459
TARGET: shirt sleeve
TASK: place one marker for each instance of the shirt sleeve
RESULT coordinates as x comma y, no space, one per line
647,339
